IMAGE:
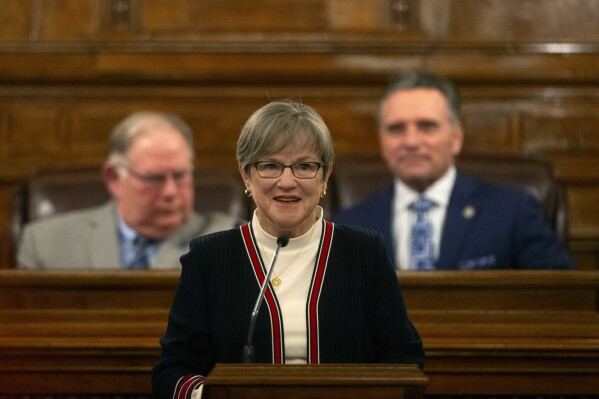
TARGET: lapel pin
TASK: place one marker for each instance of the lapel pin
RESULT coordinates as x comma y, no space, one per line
468,212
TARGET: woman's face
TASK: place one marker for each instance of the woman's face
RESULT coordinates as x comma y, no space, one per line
286,204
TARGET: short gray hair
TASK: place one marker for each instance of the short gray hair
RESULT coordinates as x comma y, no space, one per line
281,125
125,132
413,79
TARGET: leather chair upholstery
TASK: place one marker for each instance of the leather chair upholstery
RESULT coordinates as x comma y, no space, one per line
357,177
52,191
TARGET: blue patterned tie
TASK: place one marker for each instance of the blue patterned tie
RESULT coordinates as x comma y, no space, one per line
141,260
422,249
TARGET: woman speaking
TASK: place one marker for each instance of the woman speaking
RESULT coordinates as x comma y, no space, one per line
332,295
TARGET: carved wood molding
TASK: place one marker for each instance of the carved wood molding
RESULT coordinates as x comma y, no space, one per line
120,15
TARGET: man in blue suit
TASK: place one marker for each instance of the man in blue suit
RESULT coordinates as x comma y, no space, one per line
435,217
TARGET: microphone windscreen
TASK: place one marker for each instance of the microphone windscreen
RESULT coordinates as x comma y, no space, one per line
283,240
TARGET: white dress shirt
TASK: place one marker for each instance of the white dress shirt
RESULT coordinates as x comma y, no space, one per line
127,245
403,218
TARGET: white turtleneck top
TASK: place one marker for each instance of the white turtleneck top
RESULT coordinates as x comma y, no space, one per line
294,268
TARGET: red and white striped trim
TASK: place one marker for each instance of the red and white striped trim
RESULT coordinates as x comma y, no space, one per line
186,385
315,291
276,318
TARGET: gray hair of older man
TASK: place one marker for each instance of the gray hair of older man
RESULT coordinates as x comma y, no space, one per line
125,132
280,126
413,79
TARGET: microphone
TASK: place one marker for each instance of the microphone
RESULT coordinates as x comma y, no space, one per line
248,350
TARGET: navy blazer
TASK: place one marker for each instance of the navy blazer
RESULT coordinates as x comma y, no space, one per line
355,309
487,226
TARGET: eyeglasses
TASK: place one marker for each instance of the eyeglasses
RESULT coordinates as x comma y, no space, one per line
301,170
157,180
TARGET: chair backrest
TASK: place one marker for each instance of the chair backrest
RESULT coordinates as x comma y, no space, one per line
358,177
52,191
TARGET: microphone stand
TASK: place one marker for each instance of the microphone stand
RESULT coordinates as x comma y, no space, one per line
248,350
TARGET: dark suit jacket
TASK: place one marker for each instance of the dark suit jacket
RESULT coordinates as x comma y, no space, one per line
355,310
487,226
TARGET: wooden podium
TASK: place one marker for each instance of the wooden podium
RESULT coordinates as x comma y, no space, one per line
323,381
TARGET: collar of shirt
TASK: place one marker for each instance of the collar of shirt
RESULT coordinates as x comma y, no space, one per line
268,243
126,233
438,192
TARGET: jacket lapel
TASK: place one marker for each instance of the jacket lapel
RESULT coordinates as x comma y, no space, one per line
382,220
260,272
316,285
103,240
461,212
177,243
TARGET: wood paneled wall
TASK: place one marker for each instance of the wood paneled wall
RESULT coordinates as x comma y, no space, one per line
528,71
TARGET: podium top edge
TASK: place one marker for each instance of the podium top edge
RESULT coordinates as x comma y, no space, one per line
317,374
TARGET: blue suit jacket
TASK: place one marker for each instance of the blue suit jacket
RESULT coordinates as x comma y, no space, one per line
487,226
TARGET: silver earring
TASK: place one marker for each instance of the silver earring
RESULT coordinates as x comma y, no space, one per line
324,194
248,193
